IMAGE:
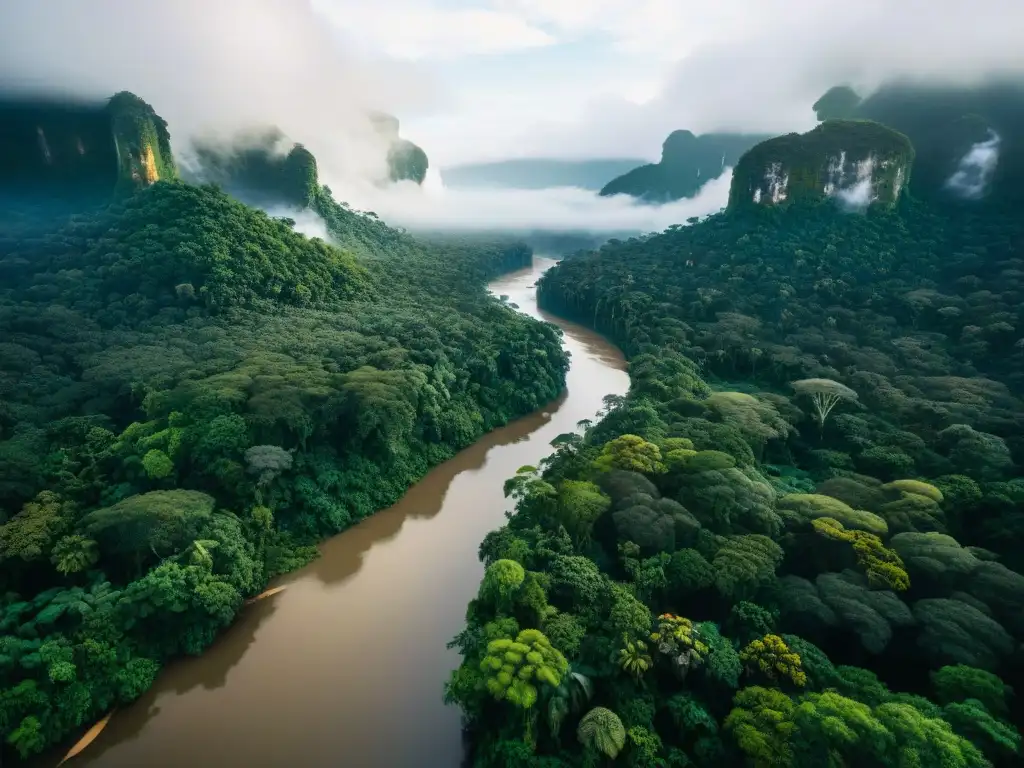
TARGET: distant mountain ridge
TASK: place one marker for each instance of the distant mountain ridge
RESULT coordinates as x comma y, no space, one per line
688,162
265,167
537,173
945,122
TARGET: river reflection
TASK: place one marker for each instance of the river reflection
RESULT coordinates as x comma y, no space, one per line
346,666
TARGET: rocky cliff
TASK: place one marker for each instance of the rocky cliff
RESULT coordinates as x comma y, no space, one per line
58,147
858,163
406,161
261,167
688,162
142,142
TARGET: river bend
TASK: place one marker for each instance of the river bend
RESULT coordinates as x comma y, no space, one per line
345,667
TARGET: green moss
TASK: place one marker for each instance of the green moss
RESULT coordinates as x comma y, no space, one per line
143,143
811,167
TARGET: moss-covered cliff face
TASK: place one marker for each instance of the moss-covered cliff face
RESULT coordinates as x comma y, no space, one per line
58,148
262,168
968,142
406,161
688,162
857,162
142,142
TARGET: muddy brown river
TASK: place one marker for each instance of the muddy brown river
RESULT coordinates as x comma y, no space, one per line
346,666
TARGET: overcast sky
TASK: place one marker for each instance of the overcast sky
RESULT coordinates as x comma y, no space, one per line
613,77
484,79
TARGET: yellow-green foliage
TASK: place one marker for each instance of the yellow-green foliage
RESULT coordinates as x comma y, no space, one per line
762,725
32,531
677,459
801,508
681,631
709,461
580,504
919,487
676,444
634,659
773,658
679,639
676,450
883,566
515,668
630,452
501,581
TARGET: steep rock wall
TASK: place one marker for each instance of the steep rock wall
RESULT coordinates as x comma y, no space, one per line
58,147
856,162
142,142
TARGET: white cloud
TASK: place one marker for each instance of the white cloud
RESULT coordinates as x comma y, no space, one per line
220,66
758,65
559,209
740,65
417,29
578,79
665,29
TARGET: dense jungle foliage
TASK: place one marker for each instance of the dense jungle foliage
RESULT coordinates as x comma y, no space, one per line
799,540
192,394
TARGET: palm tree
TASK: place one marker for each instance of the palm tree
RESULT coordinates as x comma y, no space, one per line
73,554
602,730
633,658
568,698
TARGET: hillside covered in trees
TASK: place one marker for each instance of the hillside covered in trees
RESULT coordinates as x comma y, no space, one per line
192,394
798,540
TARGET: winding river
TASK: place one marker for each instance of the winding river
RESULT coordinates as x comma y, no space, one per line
345,667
